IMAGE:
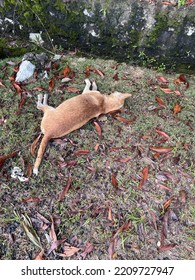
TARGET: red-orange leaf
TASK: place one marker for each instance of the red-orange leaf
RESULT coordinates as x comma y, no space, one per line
123,120
167,90
81,152
162,133
114,181
160,101
145,176
162,79
98,72
51,84
98,128
17,87
177,108
161,149
66,71
40,256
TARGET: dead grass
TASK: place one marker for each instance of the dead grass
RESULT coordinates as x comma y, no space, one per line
94,209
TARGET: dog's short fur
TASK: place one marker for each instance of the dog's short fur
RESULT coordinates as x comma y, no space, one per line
74,113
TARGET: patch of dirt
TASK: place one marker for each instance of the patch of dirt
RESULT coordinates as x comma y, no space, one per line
130,196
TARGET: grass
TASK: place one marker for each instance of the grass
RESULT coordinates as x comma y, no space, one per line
94,210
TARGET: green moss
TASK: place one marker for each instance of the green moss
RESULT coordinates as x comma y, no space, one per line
161,25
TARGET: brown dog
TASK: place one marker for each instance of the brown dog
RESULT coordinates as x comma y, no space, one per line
74,113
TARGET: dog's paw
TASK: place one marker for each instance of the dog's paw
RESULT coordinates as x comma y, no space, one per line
35,171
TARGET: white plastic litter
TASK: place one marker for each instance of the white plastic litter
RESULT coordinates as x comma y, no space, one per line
36,38
18,174
26,71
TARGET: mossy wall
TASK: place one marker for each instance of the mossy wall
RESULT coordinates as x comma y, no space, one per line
128,30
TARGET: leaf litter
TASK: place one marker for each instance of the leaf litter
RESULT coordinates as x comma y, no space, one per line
99,165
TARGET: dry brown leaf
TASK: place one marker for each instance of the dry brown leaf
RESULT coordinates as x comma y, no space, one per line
110,217
72,89
40,256
116,77
69,251
162,133
167,90
98,128
182,196
52,233
4,158
88,249
162,79
161,149
160,101
177,108
51,84
66,189
123,120
144,177
114,181
98,72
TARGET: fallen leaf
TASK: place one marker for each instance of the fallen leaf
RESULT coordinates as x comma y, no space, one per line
178,93
69,251
110,217
30,232
123,120
17,87
23,97
1,84
66,189
31,199
81,152
98,128
111,248
162,79
72,89
161,149
123,160
124,227
38,88
183,79
52,233
162,133
167,204
167,3
98,72
51,84
55,245
182,196
160,101
116,77
166,247
167,90
66,71
4,158
40,256
177,108
88,70
114,181
34,145
88,249
144,177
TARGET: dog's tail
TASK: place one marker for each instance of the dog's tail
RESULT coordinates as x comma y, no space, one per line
41,151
